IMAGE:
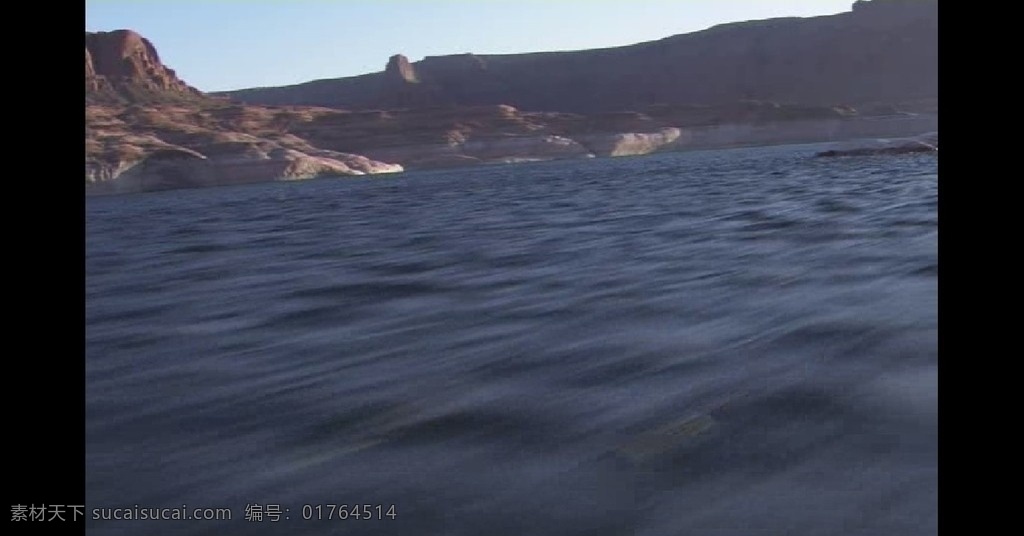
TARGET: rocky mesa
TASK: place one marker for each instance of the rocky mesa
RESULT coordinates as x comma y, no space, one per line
879,51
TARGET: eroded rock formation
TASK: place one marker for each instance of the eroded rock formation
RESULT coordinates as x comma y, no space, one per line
124,66
146,129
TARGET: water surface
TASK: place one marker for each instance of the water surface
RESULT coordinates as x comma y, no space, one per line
735,342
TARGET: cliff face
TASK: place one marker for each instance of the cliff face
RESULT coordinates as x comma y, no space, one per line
400,71
880,51
124,66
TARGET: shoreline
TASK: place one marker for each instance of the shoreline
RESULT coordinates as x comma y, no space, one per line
108,189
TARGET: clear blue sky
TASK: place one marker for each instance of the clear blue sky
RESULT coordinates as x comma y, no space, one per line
229,44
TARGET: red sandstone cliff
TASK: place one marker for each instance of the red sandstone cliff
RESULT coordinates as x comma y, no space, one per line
124,66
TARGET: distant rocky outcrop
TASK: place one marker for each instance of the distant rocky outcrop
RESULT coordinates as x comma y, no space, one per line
925,143
400,70
630,143
882,51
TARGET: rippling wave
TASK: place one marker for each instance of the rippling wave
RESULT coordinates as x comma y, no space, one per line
730,342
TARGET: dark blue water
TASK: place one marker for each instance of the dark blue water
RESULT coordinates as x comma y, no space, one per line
736,342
